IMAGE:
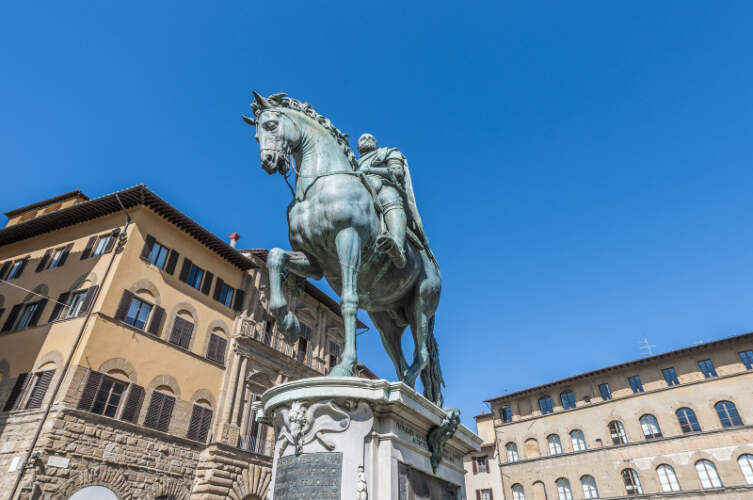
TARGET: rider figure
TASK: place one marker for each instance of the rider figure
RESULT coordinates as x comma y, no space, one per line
387,173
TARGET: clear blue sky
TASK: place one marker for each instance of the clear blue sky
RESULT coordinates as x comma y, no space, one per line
584,169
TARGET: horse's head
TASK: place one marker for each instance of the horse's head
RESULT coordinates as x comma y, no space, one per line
276,133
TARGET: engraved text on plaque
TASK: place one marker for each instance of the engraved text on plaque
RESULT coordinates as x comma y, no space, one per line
309,476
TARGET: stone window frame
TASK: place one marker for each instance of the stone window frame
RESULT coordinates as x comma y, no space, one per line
210,330
54,358
170,323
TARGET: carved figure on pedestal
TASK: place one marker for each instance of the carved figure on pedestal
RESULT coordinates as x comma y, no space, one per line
357,226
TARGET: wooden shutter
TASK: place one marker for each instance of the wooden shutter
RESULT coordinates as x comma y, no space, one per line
64,257
172,261
475,465
37,313
63,299
216,350
491,495
238,303
111,242
90,390
91,295
155,322
205,423
43,260
148,245
88,250
40,389
133,404
185,269
4,270
125,304
21,269
218,289
15,393
208,277
478,494
163,423
152,413
12,317
182,331
198,429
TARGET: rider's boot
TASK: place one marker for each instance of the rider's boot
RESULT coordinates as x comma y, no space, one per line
393,241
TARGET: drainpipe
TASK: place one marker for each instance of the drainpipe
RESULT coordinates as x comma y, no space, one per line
122,237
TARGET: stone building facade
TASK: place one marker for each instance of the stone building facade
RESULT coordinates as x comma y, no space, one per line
674,425
482,474
133,344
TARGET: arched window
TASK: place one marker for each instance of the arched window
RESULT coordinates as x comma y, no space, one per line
667,478
94,493
512,452
617,431
632,483
555,446
563,489
517,492
688,420
746,465
568,400
707,474
579,442
650,426
728,414
589,487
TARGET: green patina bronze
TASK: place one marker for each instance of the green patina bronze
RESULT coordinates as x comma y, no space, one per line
354,222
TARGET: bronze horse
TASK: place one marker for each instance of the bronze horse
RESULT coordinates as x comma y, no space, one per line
333,225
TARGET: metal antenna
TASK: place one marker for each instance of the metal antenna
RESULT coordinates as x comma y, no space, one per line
646,348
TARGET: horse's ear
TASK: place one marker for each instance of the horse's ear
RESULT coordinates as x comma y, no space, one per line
261,102
248,120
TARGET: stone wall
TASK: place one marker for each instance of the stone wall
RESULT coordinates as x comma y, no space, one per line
131,460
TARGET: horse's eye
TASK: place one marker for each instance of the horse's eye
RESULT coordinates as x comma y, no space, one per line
270,125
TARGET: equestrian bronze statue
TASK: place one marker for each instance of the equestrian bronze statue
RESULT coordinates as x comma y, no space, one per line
356,223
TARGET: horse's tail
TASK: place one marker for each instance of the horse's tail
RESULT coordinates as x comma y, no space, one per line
431,376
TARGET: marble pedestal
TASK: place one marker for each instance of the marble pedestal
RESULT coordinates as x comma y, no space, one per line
339,438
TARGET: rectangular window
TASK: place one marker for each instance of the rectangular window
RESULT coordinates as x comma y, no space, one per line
108,397
160,411
182,331
26,315
747,358
56,256
334,353
545,404
303,343
505,414
269,327
16,269
75,303
670,376
482,463
707,367
195,276
226,295
138,313
606,393
636,384
158,255
568,400
216,350
102,244
484,494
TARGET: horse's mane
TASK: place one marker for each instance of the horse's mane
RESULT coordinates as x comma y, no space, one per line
283,101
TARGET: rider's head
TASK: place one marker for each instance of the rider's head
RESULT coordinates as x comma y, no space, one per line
366,143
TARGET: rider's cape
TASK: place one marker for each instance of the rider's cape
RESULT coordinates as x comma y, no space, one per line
406,189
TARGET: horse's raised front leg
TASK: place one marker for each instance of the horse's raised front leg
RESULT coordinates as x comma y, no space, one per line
348,244
279,262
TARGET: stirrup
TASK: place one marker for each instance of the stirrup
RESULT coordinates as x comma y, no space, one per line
385,243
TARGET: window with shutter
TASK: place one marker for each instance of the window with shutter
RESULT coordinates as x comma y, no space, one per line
133,404
17,268
148,244
172,261
43,261
57,309
88,250
198,429
207,283
16,392
64,257
4,269
91,295
160,411
41,384
155,324
182,331
12,317
90,390
125,304
108,397
239,296
216,350
218,289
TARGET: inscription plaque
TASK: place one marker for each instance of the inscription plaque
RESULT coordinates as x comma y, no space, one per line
309,476
415,485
